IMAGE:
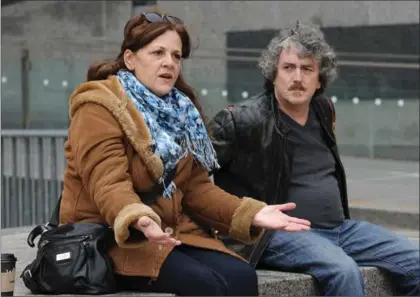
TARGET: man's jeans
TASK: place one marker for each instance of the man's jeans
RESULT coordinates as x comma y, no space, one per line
332,257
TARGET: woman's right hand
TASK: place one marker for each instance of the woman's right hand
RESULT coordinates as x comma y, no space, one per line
154,233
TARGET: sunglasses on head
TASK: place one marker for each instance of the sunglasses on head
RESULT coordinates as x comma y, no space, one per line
154,17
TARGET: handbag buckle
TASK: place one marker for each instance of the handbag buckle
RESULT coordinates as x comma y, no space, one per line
28,272
40,229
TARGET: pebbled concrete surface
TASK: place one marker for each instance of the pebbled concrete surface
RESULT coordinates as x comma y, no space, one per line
272,283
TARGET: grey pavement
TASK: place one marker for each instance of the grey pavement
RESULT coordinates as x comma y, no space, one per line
384,192
384,184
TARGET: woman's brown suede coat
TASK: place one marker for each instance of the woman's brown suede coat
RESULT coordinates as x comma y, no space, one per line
109,160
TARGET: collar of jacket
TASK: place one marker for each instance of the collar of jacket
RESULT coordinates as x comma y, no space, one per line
110,94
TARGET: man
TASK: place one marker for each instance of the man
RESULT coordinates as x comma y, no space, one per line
280,147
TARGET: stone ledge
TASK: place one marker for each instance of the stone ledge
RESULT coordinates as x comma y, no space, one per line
271,283
386,217
276,283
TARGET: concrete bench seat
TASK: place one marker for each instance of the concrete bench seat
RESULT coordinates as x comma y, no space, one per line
271,283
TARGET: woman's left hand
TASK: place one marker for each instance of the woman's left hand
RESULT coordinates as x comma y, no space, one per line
272,217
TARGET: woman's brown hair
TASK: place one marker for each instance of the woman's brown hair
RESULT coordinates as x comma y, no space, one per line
138,32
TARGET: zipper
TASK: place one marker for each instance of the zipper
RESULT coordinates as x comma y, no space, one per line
54,237
283,134
277,193
282,169
342,176
87,248
341,180
43,243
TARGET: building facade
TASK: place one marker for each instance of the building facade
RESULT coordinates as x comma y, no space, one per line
47,46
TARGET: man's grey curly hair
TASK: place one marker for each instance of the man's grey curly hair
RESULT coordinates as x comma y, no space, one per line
309,40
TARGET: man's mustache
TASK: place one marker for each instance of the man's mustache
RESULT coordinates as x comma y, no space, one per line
297,88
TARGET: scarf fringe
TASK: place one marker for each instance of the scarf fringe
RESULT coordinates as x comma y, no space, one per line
207,155
208,160
168,191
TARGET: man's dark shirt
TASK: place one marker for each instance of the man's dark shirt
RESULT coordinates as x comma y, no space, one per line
313,185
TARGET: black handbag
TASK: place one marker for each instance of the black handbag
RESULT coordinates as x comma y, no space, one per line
71,258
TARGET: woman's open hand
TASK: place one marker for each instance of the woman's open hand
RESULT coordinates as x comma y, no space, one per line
272,217
154,233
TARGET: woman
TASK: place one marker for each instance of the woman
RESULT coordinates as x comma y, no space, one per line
138,157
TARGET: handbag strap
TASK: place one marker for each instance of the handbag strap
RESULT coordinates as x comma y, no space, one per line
55,216
52,223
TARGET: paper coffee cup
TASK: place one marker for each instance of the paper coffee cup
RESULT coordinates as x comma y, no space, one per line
8,267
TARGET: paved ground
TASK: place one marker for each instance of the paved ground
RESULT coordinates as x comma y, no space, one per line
383,184
412,235
375,184
272,283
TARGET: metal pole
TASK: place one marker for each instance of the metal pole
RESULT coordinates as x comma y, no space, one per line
371,133
25,68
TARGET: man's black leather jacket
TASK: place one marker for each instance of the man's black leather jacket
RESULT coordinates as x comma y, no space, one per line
251,141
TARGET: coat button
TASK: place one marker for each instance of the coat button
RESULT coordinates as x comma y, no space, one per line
169,230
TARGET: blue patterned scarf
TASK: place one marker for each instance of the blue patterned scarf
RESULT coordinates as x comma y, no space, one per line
175,126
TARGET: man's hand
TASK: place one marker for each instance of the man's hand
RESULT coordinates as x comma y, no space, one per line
272,217
154,233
